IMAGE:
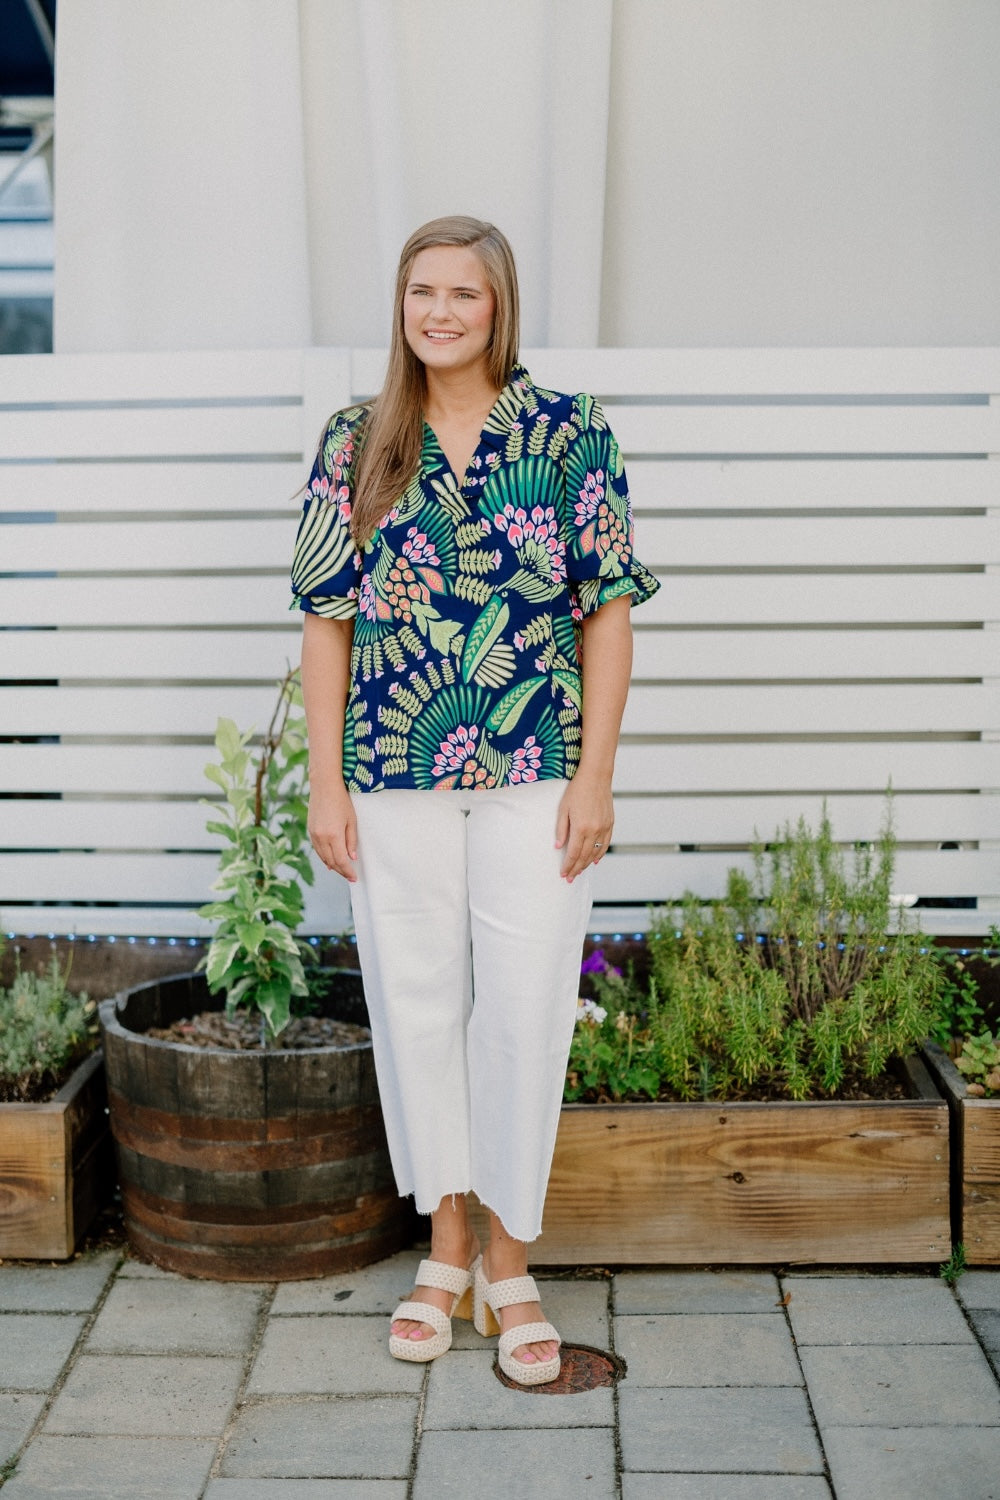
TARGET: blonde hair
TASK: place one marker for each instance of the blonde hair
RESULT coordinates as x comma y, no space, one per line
392,436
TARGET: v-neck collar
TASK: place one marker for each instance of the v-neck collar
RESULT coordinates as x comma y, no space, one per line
503,414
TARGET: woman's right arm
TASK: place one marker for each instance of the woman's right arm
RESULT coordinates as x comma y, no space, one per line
326,676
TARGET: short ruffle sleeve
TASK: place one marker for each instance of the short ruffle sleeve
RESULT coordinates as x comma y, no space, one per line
600,563
326,568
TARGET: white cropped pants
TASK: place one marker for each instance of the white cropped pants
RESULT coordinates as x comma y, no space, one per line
469,942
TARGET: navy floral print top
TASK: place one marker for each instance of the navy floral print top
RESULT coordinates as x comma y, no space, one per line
467,602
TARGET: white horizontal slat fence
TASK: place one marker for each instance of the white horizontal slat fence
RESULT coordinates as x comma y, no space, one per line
825,523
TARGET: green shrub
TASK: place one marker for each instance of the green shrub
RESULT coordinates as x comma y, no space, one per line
44,1031
834,990
979,1063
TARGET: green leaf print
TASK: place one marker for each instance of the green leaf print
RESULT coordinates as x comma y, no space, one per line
512,705
497,666
484,632
570,685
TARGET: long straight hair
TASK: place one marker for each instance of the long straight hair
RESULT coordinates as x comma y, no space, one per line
392,436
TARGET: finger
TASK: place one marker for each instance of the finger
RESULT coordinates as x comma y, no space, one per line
562,824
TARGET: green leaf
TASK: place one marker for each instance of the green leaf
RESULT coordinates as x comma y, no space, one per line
512,705
570,684
220,957
483,633
228,739
214,774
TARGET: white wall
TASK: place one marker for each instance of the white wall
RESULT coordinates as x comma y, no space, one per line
671,172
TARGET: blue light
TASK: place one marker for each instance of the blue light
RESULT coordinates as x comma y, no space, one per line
616,937
71,937
598,937
637,936
112,939
91,937
192,942
151,942
131,939
171,942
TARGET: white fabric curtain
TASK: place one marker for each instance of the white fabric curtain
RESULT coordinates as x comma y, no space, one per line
670,172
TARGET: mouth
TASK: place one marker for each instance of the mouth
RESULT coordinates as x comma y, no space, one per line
439,336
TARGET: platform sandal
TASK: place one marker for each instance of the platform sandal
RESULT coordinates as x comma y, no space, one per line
436,1273
489,1298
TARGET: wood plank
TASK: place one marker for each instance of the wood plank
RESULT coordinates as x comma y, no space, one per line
153,486
33,1171
635,876
750,542
811,484
869,371
804,654
810,541
723,1183
151,655
133,710
804,429
736,599
679,655
163,375
622,877
639,819
982,1142
814,766
823,599
825,709
732,820
146,432
125,546
745,710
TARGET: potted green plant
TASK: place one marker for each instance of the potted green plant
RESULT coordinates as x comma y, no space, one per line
259,1156
786,1115
964,1058
54,1142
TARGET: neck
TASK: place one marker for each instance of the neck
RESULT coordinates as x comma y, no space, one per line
453,394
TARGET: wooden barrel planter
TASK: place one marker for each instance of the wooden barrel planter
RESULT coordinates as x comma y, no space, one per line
248,1166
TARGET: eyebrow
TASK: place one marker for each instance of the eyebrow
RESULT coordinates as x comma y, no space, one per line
425,286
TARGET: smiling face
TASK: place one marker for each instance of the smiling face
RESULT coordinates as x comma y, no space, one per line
448,309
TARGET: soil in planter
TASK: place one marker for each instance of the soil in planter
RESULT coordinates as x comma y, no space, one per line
242,1032
855,1087
39,1088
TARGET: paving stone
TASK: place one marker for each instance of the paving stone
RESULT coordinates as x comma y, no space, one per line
904,1385
133,1269
463,1391
156,1317
695,1292
306,1489
874,1310
979,1289
362,1437
724,1487
111,1468
739,1429
987,1326
707,1349
373,1289
325,1355
913,1463
34,1347
74,1287
561,1465
18,1414
152,1395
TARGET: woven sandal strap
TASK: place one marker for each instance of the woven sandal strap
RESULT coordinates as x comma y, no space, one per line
514,1289
527,1333
423,1312
446,1278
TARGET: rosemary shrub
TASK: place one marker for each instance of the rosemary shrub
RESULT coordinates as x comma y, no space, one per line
44,1030
832,990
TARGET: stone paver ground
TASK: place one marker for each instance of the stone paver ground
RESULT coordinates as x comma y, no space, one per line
119,1381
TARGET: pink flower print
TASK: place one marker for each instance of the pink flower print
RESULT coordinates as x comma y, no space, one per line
417,549
526,761
590,497
367,598
512,522
387,520
518,640
458,747
320,487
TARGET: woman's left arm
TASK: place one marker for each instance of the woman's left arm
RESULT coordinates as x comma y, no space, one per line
586,813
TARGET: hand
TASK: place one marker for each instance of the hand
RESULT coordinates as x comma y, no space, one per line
333,830
583,824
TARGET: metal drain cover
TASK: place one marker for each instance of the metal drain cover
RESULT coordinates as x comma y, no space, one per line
582,1369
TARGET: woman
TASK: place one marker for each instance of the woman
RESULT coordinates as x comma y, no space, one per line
465,545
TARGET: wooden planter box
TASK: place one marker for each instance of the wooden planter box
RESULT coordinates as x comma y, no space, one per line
975,1162
55,1166
771,1183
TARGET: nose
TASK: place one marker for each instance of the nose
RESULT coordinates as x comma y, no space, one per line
440,311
